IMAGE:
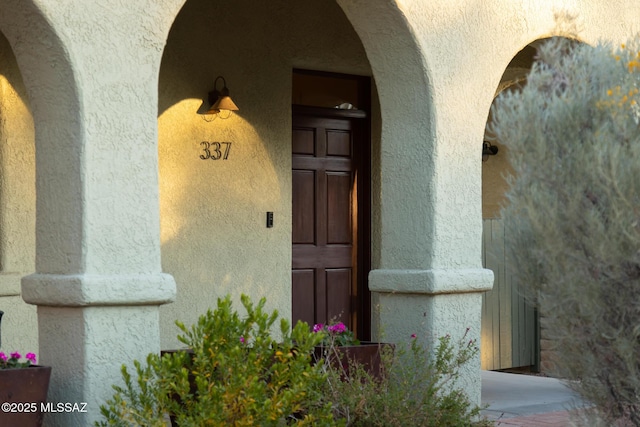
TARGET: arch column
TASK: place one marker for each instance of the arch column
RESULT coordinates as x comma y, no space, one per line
91,76
418,286
89,326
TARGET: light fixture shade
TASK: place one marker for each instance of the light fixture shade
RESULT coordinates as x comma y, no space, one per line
224,102
220,100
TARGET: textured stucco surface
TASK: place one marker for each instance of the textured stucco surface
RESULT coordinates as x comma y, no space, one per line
431,282
17,201
432,304
17,160
19,325
110,122
91,79
397,316
213,213
403,196
97,341
466,48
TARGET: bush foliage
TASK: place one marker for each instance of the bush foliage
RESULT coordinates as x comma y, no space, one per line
238,375
414,387
573,215
242,376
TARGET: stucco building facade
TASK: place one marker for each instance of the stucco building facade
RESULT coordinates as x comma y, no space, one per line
114,222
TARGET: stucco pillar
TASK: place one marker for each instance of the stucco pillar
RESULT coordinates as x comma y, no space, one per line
98,308
92,80
428,278
431,304
89,326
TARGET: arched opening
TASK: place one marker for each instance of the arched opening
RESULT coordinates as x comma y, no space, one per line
48,170
215,239
511,330
509,324
17,203
38,140
55,107
214,236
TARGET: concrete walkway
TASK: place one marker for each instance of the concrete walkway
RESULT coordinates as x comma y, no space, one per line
527,400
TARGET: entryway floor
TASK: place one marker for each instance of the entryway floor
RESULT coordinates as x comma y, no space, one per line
527,400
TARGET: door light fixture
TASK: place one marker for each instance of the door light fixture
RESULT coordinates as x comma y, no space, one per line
221,104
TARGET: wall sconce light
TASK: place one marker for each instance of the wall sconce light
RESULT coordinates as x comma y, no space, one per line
488,150
220,102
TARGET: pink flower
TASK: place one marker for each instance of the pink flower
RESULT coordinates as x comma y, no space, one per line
338,328
318,327
15,355
414,336
242,341
31,357
3,357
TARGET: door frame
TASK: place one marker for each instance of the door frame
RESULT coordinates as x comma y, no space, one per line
362,166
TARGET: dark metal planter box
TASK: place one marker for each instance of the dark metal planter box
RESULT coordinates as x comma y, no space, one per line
23,391
366,354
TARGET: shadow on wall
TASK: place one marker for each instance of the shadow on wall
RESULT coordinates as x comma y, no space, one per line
213,212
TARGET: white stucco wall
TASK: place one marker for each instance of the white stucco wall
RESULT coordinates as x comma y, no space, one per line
464,49
467,47
213,213
474,42
91,74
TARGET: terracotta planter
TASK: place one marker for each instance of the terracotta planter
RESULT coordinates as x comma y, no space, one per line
22,391
366,354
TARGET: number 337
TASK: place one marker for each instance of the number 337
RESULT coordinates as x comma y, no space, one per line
215,150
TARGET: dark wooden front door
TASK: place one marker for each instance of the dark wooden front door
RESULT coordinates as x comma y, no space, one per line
328,277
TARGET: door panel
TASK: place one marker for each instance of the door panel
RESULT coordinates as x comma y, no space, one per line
323,186
303,192
338,286
303,141
303,282
338,143
322,257
339,187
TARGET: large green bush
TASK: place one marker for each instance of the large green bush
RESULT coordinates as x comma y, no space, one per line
237,375
573,215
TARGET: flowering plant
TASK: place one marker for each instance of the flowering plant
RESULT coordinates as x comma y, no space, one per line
337,334
236,372
12,361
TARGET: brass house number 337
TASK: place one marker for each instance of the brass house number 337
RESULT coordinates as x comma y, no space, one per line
215,150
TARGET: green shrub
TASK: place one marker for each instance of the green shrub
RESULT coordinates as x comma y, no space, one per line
413,387
237,375
573,219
